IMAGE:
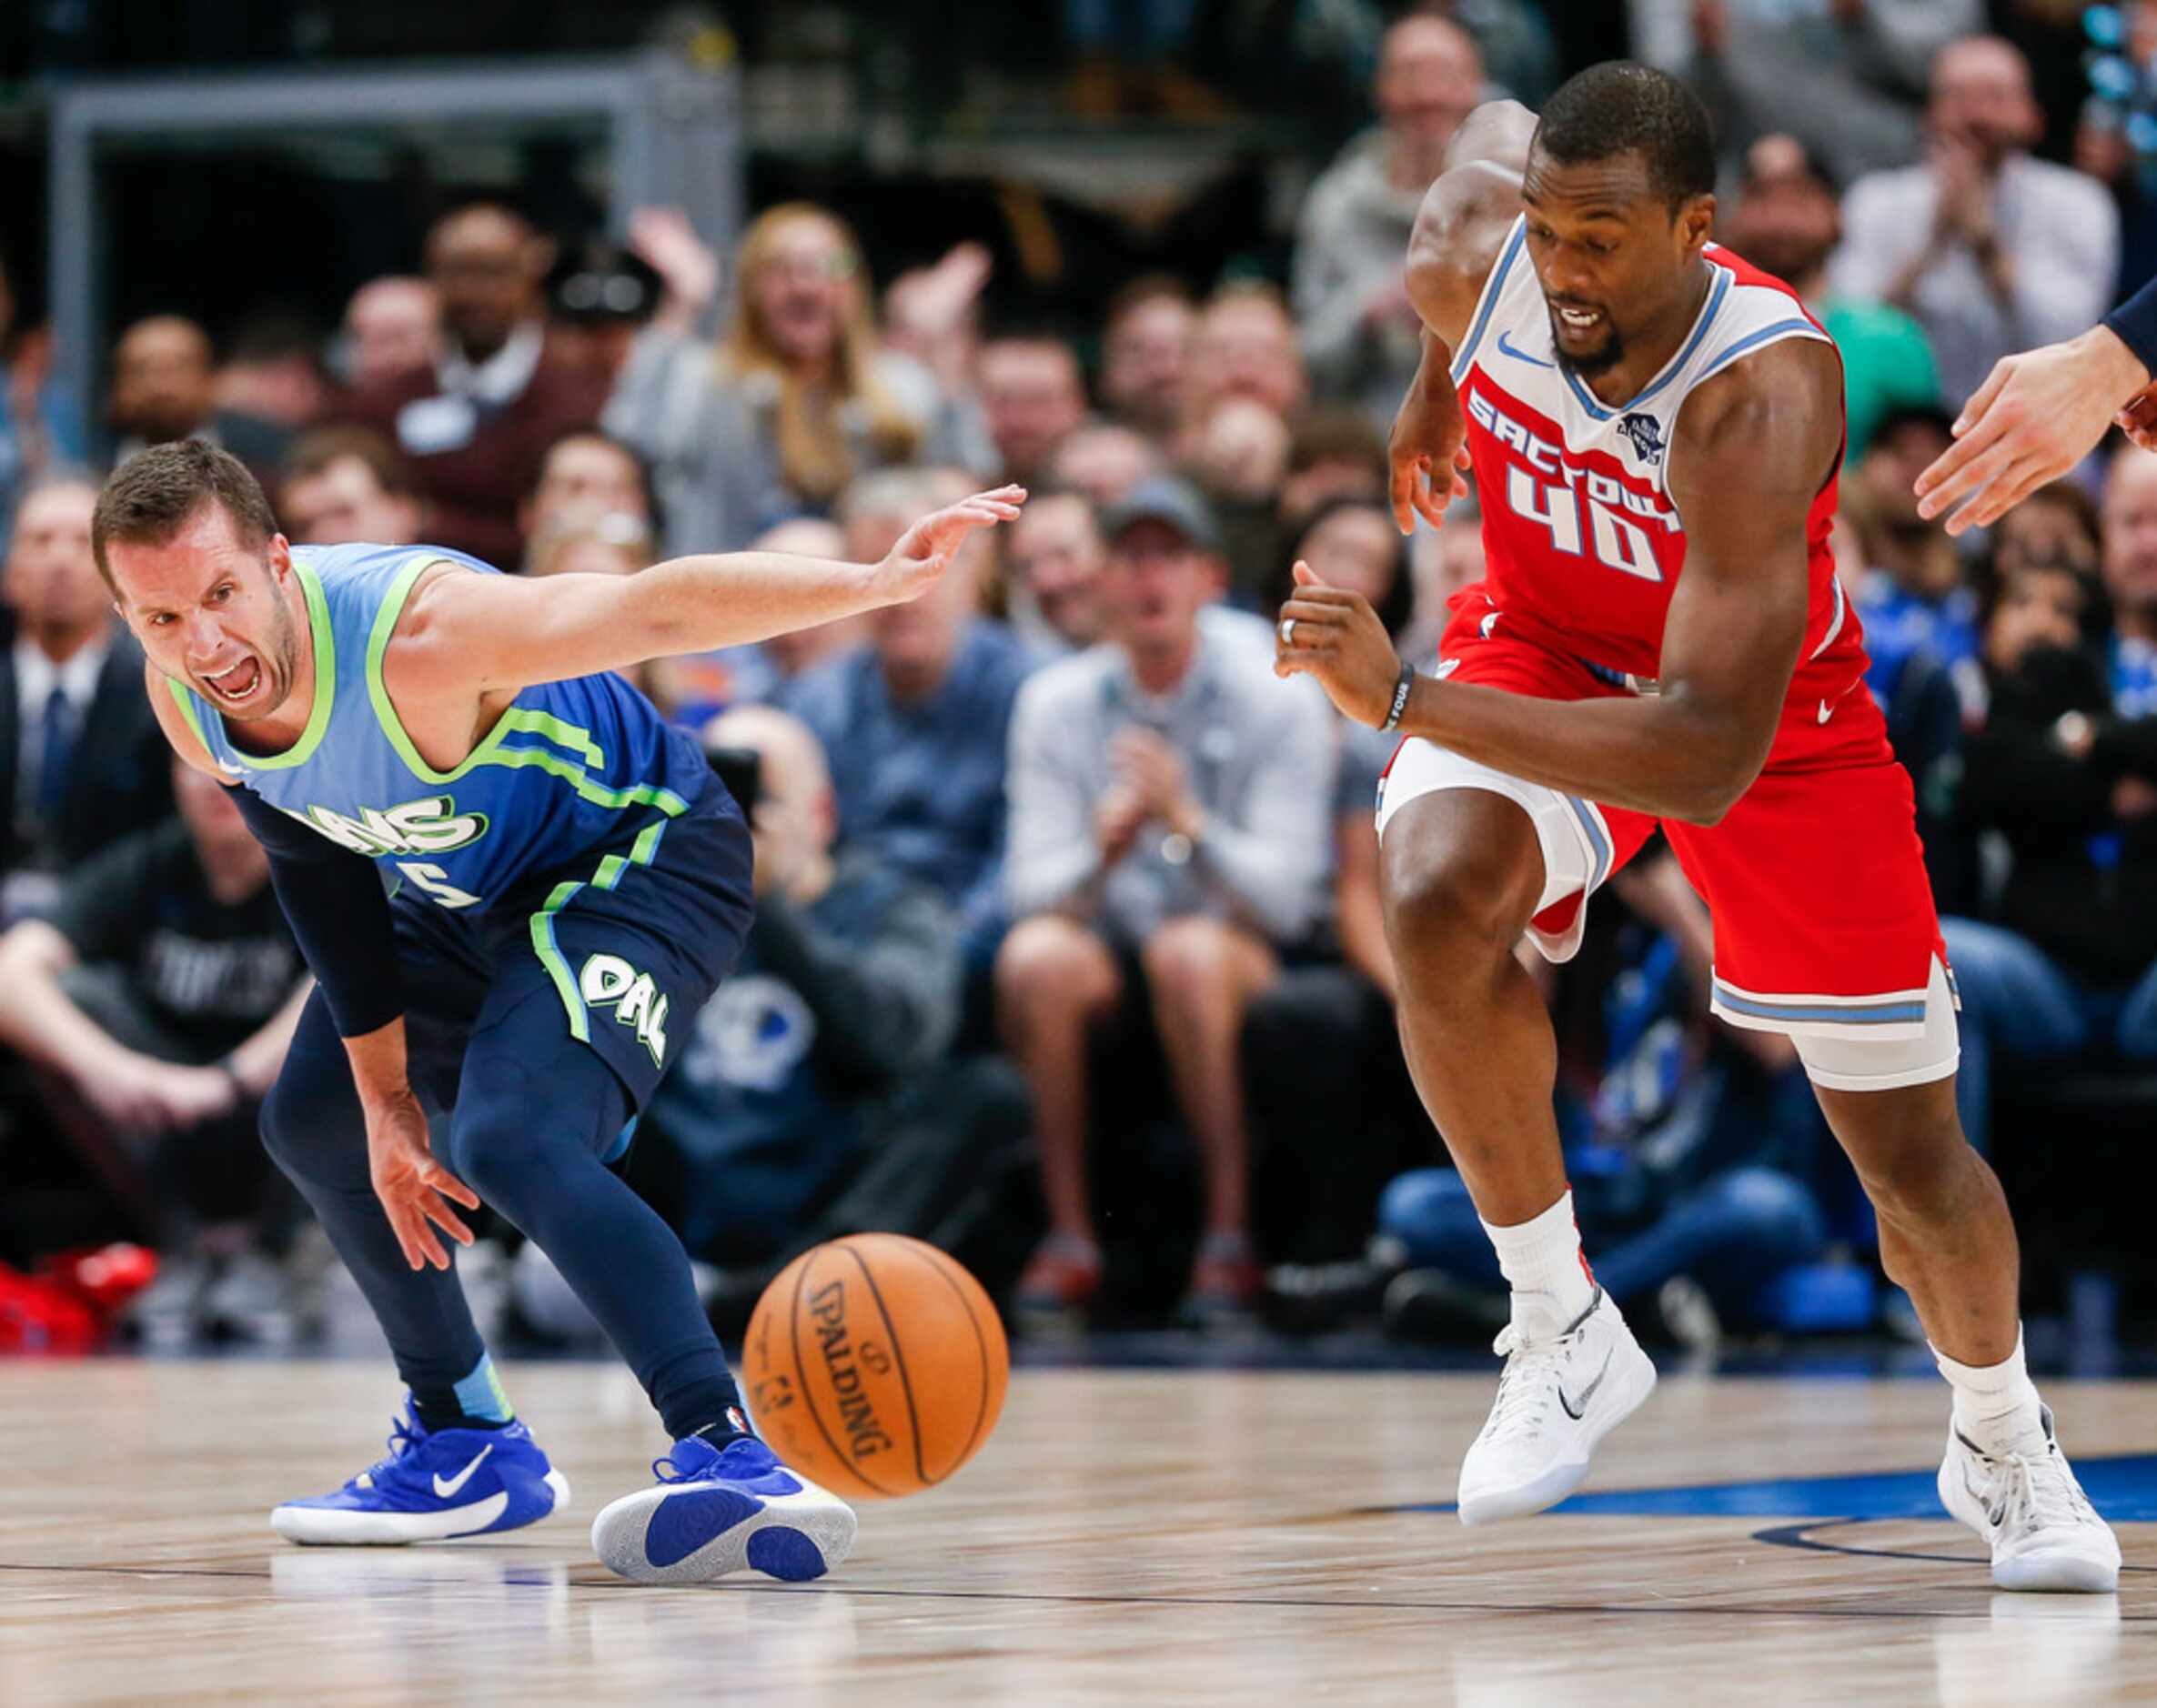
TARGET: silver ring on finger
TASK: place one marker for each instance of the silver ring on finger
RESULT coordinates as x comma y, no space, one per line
1288,631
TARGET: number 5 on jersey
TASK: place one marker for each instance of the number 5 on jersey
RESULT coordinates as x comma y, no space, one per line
434,882
1619,543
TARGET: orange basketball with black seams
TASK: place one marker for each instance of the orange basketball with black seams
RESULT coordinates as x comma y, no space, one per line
875,1365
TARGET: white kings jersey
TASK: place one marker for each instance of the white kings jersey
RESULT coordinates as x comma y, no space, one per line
1583,542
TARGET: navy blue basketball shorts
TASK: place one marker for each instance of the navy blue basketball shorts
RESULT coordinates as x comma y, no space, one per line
615,954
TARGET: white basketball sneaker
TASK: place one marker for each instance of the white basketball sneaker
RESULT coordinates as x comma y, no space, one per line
1558,1397
2044,1534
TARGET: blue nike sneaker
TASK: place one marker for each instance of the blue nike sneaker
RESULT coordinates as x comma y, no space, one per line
434,1484
716,1510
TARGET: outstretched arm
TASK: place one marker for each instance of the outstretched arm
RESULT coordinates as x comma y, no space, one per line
2037,415
487,634
1751,450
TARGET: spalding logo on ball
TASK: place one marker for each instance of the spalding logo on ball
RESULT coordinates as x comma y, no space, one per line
875,1365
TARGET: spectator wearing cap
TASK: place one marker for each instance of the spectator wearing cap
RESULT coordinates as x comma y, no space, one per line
346,485
475,423
1170,832
1786,219
1361,335
599,296
1990,250
797,399
915,722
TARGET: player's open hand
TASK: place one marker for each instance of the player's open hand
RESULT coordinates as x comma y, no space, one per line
925,549
1428,451
1332,634
2036,416
415,1190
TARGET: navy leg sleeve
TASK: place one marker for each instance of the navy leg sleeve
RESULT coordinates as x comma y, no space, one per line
536,1111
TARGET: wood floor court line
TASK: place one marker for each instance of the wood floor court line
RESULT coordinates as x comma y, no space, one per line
1127,1538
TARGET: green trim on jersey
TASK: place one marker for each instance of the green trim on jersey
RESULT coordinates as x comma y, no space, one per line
303,749
514,719
611,870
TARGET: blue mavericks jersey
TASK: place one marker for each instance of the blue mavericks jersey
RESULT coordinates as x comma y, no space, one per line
568,766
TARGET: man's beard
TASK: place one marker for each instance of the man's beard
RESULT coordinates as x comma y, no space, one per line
1604,356
280,662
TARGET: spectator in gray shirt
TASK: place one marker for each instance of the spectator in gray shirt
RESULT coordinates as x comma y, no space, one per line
1361,335
1988,250
1171,823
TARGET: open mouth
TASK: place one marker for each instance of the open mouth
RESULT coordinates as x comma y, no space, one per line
236,683
1579,319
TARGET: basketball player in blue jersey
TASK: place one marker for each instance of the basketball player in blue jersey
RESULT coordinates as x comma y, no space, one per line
516,886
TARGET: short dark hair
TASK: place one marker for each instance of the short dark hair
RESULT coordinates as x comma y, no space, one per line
313,453
1622,108
153,494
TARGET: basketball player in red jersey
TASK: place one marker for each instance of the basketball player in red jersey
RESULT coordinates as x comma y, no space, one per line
1655,428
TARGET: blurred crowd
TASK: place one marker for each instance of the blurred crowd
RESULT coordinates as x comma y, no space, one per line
1069,953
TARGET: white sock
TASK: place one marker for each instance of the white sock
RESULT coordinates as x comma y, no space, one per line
1996,1405
1541,1260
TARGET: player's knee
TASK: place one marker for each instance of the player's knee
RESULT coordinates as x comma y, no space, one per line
297,1142
1450,908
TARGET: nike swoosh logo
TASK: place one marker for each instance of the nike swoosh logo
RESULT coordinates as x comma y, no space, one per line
1519,354
445,1487
1994,1513
1827,711
1579,1411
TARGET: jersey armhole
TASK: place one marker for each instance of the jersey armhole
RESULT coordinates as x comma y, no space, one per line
1487,301
1796,326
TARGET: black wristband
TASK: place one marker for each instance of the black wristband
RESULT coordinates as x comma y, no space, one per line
2134,324
1401,690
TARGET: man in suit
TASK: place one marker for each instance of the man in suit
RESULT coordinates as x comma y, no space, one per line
81,758
476,424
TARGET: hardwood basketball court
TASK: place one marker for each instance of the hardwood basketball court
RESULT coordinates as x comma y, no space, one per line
1185,1536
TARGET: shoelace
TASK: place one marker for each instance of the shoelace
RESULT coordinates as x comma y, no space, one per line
401,1444
1524,1396
669,1470
2045,1491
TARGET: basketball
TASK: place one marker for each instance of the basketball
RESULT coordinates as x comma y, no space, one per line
875,1365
